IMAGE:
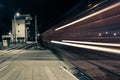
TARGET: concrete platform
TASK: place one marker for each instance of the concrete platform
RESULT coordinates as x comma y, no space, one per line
35,65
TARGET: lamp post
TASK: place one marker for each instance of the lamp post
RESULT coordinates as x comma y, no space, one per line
17,14
35,29
26,33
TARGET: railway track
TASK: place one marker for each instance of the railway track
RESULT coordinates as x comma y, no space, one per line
92,63
9,53
111,71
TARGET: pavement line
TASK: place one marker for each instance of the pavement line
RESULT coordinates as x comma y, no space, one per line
3,67
69,72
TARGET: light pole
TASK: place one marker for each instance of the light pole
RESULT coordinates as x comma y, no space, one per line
17,14
35,29
26,33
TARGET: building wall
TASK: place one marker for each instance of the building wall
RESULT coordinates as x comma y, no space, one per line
19,30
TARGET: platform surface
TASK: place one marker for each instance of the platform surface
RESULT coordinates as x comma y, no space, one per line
34,65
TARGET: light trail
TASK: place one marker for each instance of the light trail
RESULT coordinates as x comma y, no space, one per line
104,49
89,16
93,43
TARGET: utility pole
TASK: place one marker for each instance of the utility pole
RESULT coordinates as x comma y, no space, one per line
35,29
14,20
26,35
14,29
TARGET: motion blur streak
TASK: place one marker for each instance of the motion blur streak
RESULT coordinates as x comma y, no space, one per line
94,14
94,43
104,49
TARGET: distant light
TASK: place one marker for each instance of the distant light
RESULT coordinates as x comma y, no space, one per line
9,33
106,32
38,34
89,5
100,34
27,28
114,34
17,14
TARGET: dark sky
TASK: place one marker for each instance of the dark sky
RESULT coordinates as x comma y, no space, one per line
49,12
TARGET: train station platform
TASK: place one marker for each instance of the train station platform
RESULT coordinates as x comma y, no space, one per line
35,63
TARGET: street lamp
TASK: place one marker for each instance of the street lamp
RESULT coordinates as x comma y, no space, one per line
26,33
9,33
36,33
15,15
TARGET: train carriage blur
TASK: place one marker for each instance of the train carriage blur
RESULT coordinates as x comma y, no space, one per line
92,36
101,24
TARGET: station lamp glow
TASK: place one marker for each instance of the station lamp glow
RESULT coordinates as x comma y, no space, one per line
38,34
17,14
9,33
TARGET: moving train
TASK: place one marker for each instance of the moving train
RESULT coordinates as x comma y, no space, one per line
88,37
99,23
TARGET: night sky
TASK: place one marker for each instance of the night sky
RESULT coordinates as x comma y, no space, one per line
49,12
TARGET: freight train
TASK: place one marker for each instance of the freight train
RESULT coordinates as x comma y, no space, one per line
99,23
90,36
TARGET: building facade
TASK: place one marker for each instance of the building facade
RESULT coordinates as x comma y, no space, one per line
18,30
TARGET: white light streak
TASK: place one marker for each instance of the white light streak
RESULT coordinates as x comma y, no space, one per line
89,16
104,49
93,43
